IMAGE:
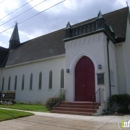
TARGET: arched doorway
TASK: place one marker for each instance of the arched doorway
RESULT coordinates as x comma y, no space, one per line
84,79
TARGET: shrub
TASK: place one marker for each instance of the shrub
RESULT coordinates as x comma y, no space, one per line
119,103
1,102
51,102
10,102
62,96
13,101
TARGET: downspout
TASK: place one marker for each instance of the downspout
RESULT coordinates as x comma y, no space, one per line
108,61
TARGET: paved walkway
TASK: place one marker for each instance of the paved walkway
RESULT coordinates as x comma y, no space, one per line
50,121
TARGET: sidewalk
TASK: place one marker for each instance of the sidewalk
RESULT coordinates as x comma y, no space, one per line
50,121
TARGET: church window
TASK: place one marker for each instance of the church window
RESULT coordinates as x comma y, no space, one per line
3,83
9,83
50,79
31,81
62,78
40,80
23,82
15,83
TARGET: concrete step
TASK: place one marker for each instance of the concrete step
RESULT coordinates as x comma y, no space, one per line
81,103
77,108
72,112
74,109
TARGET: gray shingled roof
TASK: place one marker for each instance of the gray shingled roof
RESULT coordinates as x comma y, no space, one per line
52,45
117,19
45,46
3,56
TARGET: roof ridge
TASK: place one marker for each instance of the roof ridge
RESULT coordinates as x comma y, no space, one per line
115,10
76,24
72,25
3,47
96,17
43,35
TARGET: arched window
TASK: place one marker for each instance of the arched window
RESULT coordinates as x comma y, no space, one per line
40,80
9,83
50,79
15,83
62,79
3,80
22,82
31,81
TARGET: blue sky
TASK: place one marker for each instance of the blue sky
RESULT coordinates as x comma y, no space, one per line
53,19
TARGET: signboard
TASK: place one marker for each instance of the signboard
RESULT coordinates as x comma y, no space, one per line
100,78
9,95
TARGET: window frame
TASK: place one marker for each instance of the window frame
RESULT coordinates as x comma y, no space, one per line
22,87
9,80
62,79
40,81
50,79
31,81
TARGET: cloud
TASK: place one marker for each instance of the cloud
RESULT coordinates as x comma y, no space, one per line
3,45
6,7
53,19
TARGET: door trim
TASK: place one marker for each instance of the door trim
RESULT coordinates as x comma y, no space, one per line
73,65
84,68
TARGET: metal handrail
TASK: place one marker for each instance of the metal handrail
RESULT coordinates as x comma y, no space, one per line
98,93
62,96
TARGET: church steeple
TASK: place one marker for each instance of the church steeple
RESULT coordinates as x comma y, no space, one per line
14,40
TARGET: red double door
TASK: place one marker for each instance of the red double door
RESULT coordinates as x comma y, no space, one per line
84,79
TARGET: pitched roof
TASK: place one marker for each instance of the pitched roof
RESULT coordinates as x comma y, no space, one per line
52,44
116,19
3,56
45,46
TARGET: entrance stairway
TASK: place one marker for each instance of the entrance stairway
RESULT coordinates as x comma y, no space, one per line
77,108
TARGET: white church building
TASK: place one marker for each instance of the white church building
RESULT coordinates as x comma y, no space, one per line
82,59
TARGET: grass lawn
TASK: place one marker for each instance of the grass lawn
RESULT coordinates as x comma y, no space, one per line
11,114
38,108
